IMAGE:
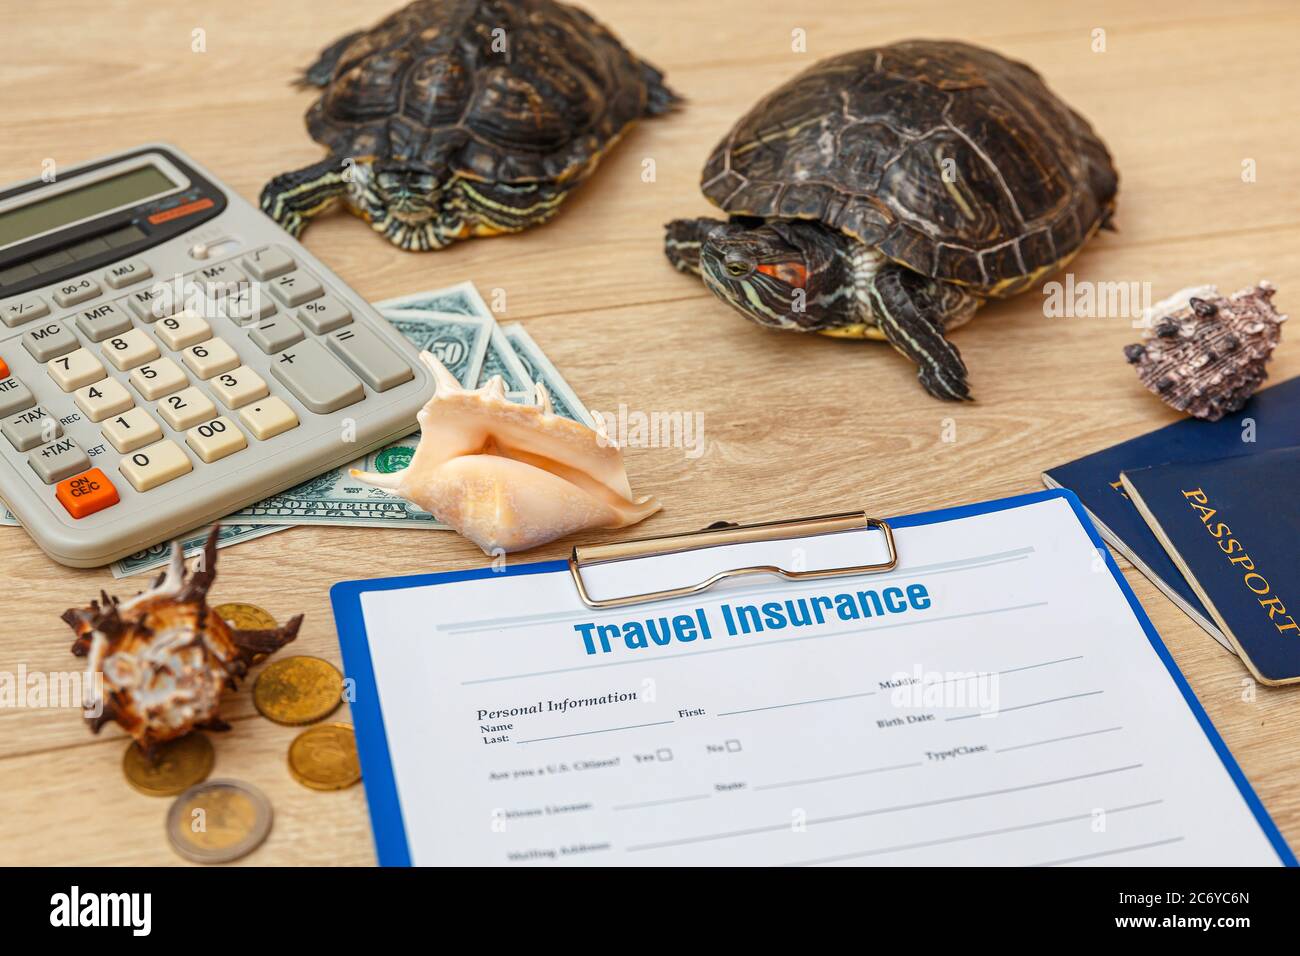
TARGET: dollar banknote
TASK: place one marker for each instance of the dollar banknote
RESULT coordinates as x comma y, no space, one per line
539,368
7,517
460,299
192,543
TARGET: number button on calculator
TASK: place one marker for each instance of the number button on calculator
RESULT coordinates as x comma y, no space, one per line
239,386
129,350
155,465
186,409
103,399
159,378
183,329
210,358
216,439
131,430
76,369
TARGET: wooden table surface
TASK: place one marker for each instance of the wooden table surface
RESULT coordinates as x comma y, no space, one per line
1187,94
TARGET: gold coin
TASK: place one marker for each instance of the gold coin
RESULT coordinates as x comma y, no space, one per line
181,764
298,690
218,821
245,617
325,757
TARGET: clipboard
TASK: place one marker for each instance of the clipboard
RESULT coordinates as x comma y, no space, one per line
376,737
724,533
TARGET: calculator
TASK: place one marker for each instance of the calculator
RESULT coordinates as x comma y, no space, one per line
169,355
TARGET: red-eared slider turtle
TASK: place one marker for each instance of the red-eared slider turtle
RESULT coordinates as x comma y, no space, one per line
886,193
459,118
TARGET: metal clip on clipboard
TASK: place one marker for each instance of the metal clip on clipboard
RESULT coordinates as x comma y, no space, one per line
715,536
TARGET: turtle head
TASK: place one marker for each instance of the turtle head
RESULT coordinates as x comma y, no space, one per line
781,273
408,192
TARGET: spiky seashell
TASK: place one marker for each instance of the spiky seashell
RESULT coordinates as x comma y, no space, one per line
160,661
1205,354
511,477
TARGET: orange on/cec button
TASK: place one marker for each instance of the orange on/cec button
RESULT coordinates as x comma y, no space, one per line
4,369
86,493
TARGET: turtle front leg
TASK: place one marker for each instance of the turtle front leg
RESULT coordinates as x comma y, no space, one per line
293,199
682,241
912,311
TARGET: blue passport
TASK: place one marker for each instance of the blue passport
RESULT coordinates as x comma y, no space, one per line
1232,527
1270,420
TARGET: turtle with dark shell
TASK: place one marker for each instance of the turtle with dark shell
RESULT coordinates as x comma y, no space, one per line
460,118
887,193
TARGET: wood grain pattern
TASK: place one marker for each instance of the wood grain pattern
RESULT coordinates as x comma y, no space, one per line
1184,93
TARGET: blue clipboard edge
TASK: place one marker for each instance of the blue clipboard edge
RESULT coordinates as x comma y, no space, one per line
386,821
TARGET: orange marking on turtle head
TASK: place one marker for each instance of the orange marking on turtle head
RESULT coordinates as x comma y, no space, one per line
791,273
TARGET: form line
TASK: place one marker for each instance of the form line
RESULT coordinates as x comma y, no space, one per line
1053,740
1037,703
837,776
971,836
588,733
777,827
1123,849
798,703
660,803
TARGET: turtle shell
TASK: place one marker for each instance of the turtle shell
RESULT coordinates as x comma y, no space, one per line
511,91
951,159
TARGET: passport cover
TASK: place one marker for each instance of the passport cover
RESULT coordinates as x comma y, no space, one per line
1270,420
1232,527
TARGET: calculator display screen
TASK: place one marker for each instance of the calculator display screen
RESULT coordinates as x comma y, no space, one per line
83,202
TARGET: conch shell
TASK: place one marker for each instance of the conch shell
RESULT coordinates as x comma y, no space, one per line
164,657
511,477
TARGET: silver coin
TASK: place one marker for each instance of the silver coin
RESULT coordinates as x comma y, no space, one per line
218,821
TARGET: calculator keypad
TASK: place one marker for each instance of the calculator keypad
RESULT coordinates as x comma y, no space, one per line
186,408
76,369
239,386
49,342
183,330
24,309
129,349
103,399
58,460
268,418
131,430
155,465
216,439
102,321
127,273
210,358
157,379
158,371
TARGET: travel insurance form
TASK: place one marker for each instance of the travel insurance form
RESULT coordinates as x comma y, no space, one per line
997,698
